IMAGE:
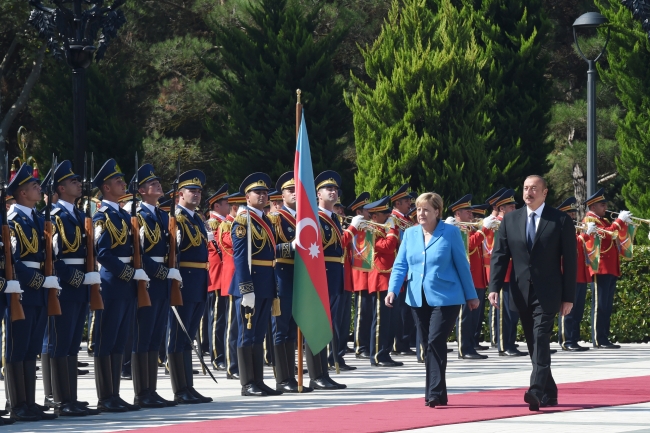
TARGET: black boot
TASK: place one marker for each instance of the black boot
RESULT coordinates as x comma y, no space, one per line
47,381
61,389
290,350
116,377
30,391
72,376
179,379
323,356
246,373
284,378
318,377
15,383
140,373
187,358
258,370
104,384
152,363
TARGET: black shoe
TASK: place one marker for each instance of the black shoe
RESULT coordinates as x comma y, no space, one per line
110,405
36,409
479,347
185,397
553,351
406,353
148,401
433,402
6,421
127,376
268,390
89,410
128,406
290,386
49,402
322,383
219,367
196,394
547,401
195,372
514,352
575,348
82,364
387,364
532,400
472,356
345,367
336,384
234,375
163,400
348,350
363,355
251,390
70,409
81,372
609,346
450,350
22,413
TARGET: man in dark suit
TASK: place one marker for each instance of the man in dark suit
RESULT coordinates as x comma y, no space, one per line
541,242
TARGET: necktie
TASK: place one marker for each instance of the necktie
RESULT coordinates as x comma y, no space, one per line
530,231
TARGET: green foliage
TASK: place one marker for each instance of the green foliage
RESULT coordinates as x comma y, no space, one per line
264,55
628,55
424,117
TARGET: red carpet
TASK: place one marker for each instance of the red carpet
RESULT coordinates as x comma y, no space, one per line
412,414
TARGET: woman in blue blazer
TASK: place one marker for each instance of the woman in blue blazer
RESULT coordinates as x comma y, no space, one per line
433,261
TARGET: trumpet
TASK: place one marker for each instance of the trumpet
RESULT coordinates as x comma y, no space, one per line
599,232
477,224
368,225
400,223
635,219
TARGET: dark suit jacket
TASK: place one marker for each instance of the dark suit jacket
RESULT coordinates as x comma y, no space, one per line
551,266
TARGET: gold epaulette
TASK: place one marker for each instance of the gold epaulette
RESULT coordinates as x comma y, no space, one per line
590,219
225,226
274,217
213,224
241,219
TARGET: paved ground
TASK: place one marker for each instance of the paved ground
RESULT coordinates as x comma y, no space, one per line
368,384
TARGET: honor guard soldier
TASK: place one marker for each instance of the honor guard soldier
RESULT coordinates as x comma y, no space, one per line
478,211
401,314
275,199
113,324
254,284
24,338
219,209
467,318
224,241
385,251
568,326
362,300
193,263
59,360
609,267
335,240
503,320
284,327
151,322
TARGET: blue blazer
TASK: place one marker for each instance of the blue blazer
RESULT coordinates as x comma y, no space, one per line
440,268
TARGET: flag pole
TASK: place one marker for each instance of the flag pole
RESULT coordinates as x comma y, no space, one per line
300,366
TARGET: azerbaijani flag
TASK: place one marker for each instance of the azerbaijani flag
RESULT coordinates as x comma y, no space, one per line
311,307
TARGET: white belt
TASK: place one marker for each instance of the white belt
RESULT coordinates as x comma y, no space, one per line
34,265
74,261
125,259
158,259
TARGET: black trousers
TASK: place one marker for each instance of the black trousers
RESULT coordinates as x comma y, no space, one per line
538,327
435,325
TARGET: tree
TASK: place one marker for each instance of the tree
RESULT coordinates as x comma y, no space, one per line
263,57
424,118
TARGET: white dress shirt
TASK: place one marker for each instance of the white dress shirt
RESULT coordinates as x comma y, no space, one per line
538,212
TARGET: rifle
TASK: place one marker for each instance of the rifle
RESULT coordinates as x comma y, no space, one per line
96,301
53,304
175,296
143,294
16,308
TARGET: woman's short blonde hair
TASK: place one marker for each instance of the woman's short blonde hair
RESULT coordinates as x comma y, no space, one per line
432,199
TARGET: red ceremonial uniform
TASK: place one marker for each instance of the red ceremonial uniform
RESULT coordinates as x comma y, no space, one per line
227,262
610,262
385,253
214,273
584,276
476,261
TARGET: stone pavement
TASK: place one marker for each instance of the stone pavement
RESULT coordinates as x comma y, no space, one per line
370,384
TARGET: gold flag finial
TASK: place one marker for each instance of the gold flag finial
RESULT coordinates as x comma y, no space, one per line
298,92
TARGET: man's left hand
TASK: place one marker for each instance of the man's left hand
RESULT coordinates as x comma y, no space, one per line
566,308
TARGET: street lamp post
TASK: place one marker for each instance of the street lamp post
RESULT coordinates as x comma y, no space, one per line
588,21
71,33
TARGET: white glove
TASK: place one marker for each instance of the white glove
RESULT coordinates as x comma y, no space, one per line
248,300
13,286
51,283
140,274
174,274
179,236
92,278
293,244
491,223
142,235
625,216
591,228
55,244
391,222
98,233
356,221
210,235
14,244
450,220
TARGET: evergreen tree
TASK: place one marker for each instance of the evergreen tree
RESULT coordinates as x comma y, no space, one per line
628,55
424,118
262,59
516,31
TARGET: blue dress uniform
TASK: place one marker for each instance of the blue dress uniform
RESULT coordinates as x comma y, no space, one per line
335,240
252,226
193,264
284,326
111,326
150,322
24,338
64,334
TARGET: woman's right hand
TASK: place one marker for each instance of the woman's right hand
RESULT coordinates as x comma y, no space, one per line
390,297
473,304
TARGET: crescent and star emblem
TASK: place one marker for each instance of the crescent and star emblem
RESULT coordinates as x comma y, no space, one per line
313,249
